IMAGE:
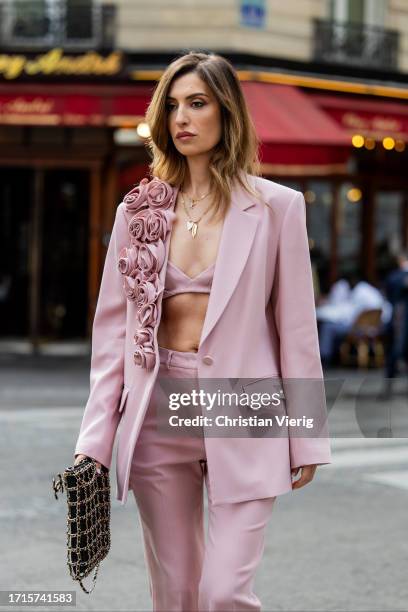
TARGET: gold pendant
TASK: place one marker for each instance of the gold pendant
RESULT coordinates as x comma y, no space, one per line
192,226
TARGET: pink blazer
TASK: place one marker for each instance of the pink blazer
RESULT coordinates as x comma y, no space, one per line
260,322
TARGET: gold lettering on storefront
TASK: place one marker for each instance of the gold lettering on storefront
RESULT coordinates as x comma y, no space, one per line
376,122
12,66
20,105
354,121
387,124
54,62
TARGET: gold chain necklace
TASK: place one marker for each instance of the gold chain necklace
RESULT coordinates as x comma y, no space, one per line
192,225
193,201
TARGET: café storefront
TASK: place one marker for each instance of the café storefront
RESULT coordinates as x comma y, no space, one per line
358,219
59,170
69,150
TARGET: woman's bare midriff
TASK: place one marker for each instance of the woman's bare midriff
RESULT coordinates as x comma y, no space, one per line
182,321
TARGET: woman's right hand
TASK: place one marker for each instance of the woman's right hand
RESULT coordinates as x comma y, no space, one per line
80,457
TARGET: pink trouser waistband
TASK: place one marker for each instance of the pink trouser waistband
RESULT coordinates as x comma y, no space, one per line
180,359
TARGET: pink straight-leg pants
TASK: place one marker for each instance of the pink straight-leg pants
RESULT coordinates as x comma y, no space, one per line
187,574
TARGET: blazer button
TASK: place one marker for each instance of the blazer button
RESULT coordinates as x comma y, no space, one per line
208,360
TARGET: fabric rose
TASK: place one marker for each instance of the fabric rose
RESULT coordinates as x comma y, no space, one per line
127,262
137,224
159,223
146,293
159,194
150,225
144,335
144,356
131,283
130,286
152,277
147,314
136,198
151,257
151,204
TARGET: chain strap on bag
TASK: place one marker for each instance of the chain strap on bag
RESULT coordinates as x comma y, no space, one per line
88,518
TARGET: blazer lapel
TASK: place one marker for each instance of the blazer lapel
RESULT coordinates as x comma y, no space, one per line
237,236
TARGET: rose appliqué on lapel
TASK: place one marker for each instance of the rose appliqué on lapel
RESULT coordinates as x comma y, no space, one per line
152,203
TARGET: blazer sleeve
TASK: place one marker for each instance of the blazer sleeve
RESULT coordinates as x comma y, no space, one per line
294,311
101,416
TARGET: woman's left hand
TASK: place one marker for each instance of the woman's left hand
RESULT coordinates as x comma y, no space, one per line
306,476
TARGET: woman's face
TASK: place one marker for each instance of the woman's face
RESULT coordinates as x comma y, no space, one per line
192,107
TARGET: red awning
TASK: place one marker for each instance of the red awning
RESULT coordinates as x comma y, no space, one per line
365,115
296,134
62,105
292,128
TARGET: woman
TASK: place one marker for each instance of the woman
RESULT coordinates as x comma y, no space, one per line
207,276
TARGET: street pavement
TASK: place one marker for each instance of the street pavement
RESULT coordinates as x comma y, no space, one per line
338,544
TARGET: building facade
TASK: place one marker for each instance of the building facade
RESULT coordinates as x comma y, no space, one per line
326,83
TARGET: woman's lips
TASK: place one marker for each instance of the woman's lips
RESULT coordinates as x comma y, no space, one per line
186,136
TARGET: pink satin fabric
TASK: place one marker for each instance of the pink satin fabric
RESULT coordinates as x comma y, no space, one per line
167,479
177,281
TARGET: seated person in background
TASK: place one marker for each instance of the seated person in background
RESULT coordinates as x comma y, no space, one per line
339,292
337,316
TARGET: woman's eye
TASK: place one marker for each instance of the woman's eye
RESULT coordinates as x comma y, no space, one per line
199,102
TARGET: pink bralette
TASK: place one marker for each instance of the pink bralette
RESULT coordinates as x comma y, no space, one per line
177,281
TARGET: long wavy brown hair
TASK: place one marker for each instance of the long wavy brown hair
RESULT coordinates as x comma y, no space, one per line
237,151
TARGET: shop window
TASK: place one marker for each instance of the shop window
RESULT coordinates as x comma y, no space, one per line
90,136
78,19
16,195
319,202
30,19
47,135
11,134
388,228
64,262
56,22
349,215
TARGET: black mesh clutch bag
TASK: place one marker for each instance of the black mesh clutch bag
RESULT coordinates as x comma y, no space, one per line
88,520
